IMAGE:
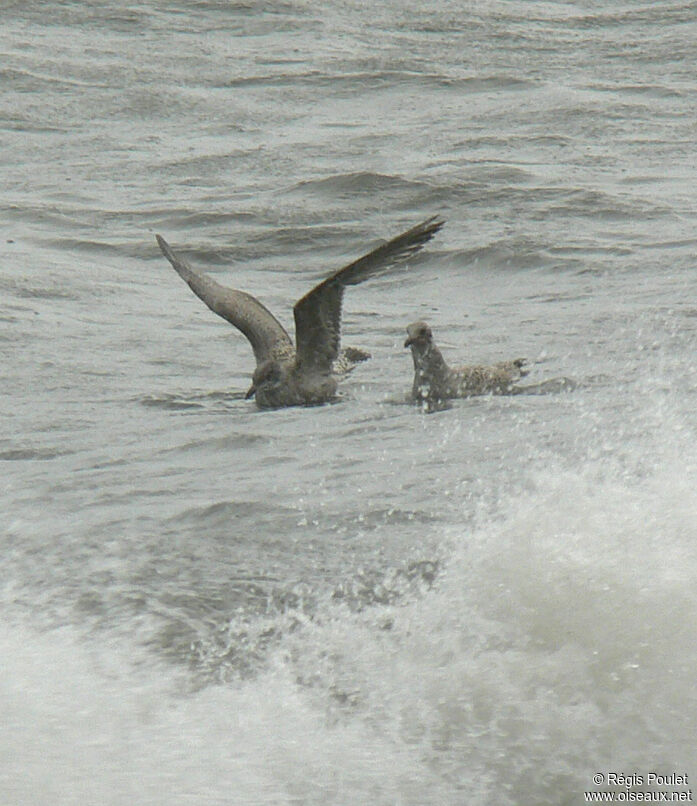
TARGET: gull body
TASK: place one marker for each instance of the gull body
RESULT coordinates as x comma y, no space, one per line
435,381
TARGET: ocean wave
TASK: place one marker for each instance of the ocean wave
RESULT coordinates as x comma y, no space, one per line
359,182
24,454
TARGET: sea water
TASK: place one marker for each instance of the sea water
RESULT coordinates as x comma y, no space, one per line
360,602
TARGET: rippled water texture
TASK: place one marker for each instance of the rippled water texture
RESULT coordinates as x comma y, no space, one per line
354,603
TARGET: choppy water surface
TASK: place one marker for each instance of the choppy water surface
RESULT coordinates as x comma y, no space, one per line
357,603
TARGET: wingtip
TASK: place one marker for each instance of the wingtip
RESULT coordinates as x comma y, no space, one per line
427,229
166,249
433,224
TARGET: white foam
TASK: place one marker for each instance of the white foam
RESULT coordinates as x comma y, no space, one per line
557,642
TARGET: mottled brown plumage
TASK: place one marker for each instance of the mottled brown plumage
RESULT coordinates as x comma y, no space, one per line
435,381
307,373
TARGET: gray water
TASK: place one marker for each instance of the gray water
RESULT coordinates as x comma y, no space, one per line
356,603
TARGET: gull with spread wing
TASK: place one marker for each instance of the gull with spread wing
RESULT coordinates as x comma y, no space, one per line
304,374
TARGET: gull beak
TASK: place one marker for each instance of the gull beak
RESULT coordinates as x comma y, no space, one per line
250,392
409,342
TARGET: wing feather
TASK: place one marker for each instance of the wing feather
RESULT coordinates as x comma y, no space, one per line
318,313
242,310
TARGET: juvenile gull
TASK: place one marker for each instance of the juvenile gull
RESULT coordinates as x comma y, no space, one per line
307,373
435,381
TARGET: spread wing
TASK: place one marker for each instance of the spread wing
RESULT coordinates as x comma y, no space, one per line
242,310
318,313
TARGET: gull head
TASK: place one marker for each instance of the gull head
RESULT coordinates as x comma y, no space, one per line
266,376
418,335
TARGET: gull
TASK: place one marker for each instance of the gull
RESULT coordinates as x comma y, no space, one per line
307,373
435,381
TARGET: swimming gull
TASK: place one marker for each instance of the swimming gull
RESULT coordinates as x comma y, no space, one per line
435,381
307,373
